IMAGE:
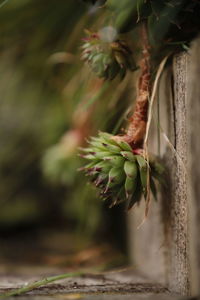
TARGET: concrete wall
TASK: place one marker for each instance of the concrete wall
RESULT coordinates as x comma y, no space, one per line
166,247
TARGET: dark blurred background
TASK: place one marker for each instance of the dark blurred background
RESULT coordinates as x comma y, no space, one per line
50,103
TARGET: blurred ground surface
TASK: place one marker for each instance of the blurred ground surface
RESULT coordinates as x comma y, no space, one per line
126,284
26,258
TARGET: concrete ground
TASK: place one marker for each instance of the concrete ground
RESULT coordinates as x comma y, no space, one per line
114,285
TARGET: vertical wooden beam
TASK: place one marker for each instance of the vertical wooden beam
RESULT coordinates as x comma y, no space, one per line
160,247
168,243
178,242
193,124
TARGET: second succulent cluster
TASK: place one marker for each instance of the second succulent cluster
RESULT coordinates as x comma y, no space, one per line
107,59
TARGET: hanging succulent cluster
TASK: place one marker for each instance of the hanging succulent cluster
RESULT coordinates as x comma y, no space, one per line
107,58
120,173
118,165
171,26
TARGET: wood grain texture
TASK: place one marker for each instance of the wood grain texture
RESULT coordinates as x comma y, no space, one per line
178,247
193,122
167,247
167,226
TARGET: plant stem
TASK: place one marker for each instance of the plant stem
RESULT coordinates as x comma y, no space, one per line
40,283
137,128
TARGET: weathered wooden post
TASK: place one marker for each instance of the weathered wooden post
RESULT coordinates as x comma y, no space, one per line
166,247
193,123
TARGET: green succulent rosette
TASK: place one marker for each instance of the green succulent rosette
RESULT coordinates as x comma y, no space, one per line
107,59
120,173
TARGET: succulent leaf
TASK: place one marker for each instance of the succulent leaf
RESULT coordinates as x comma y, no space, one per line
136,197
143,169
130,186
131,169
115,160
128,155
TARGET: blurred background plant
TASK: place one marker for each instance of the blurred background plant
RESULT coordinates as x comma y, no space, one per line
48,108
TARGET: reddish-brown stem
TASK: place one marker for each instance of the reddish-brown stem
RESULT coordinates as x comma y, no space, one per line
137,127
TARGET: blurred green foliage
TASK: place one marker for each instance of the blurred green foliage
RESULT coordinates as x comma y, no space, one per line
43,84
